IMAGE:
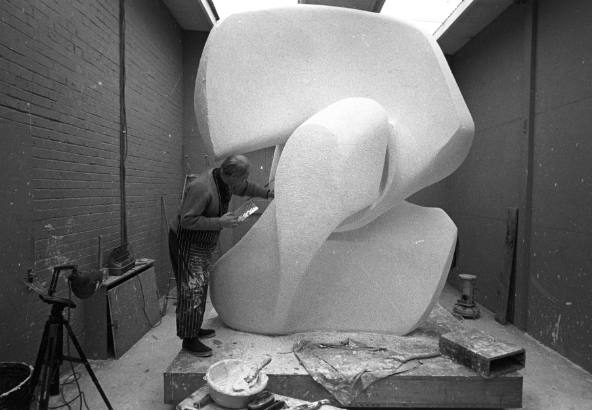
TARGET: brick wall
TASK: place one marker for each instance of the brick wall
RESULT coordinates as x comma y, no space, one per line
59,78
195,158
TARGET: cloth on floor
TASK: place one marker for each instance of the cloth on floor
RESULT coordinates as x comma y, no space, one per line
346,367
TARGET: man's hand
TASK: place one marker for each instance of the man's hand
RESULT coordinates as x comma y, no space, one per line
228,220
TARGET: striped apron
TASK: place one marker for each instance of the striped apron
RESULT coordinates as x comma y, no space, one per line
191,253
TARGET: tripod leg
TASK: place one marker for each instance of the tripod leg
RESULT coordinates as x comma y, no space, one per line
40,377
87,365
48,371
58,352
40,357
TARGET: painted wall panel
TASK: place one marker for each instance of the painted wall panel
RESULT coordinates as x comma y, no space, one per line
486,183
559,296
564,68
479,254
562,191
560,307
559,260
489,71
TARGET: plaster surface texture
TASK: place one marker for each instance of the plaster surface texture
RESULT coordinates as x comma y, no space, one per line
363,111
330,168
384,277
254,89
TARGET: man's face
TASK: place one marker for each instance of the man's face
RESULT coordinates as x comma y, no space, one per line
236,181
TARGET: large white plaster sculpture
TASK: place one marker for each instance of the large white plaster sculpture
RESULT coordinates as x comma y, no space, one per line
369,114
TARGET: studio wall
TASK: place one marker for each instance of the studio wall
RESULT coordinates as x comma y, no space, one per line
527,82
59,117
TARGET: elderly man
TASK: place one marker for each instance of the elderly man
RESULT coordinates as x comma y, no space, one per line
194,235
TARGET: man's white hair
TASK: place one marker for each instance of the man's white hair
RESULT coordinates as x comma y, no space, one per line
235,166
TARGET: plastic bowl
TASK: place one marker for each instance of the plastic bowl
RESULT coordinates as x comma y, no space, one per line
217,377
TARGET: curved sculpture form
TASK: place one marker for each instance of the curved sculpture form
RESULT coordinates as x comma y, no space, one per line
330,168
369,114
382,278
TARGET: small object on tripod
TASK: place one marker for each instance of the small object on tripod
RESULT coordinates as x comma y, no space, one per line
466,306
84,285
51,350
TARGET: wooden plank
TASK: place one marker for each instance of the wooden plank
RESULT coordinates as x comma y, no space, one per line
443,392
133,310
509,263
96,318
528,98
438,382
140,266
98,342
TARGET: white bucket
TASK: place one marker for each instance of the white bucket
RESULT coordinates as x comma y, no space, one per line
218,376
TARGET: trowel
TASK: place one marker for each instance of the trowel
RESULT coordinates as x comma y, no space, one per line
245,382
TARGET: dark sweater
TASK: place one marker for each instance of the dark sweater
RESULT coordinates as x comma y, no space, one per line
204,203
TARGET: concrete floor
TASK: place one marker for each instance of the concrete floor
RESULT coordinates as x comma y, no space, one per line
135,381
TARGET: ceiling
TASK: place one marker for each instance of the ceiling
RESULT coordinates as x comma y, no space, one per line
194,15
366,5
469,18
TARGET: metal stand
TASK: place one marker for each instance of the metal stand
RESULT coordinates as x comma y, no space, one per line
46,374
466,306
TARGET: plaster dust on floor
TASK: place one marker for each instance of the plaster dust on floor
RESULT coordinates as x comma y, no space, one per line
135,381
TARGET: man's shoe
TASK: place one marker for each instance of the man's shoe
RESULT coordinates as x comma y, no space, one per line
206,333
196,347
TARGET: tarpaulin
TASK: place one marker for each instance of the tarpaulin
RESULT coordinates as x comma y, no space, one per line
346,366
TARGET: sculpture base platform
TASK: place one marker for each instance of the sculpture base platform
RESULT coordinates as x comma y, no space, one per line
437,383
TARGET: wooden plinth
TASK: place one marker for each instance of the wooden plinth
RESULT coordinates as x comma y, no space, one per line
437,383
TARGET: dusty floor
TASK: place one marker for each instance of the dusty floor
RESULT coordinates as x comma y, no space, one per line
135,381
